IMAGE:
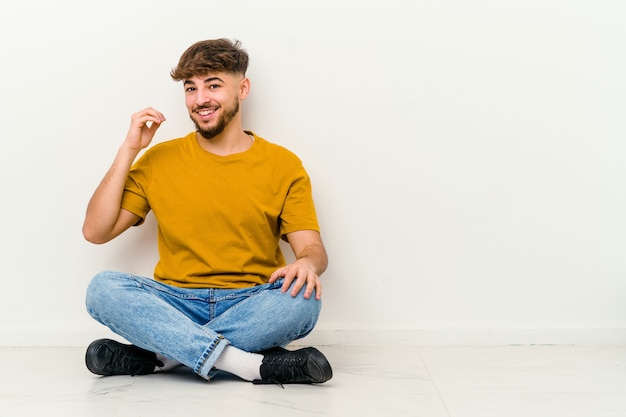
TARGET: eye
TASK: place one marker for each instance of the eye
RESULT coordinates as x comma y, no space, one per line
214,86
190,89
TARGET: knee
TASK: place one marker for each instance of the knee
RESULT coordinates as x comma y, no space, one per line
307,306
100,290
303,311
311,305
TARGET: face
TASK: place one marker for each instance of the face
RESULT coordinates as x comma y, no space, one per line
213,101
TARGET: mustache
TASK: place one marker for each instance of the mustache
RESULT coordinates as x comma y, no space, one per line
204,107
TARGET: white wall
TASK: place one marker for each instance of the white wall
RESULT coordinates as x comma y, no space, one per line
467,156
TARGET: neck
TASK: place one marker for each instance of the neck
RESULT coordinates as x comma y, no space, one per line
231,141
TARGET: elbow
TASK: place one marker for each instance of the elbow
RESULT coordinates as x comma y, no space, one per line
92,236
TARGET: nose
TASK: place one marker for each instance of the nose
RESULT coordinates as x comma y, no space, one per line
203,97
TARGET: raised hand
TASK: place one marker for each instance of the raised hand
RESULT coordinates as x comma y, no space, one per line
143,126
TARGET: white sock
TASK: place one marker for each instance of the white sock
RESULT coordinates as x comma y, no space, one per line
245,365
168,364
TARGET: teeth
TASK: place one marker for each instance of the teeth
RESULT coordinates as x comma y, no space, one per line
205,112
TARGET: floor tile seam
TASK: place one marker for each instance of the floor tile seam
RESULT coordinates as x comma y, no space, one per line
432,379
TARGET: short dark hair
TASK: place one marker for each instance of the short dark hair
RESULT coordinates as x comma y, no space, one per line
215,55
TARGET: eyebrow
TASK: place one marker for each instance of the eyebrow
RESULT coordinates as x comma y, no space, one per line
208,80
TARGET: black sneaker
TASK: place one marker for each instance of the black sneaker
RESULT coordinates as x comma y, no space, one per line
303,366
108,357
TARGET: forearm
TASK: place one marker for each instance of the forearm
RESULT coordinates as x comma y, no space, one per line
103,210
315,256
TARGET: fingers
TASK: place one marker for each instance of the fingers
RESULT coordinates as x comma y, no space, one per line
150,114
310,284
298,279
150,111
143,126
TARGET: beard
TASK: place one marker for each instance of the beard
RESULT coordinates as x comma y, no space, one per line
227,116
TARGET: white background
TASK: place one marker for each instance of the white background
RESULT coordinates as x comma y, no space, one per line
466,156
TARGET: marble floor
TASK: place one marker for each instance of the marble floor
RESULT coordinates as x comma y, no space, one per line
506,381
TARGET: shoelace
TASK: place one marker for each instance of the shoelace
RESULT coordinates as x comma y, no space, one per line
271,381
134,363
287,369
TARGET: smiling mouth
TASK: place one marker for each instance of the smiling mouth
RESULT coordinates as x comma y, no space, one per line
204,112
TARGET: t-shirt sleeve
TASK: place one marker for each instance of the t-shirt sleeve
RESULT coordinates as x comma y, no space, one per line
134,198
299,210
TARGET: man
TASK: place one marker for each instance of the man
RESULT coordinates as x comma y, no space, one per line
222,297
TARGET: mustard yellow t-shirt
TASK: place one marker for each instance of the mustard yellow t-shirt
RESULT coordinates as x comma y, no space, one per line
220,218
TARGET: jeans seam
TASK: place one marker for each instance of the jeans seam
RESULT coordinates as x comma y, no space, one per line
202,362
143,282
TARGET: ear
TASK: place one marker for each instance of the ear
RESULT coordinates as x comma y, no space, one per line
244,88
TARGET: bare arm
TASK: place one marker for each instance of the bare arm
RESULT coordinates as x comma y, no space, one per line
105,219
311,261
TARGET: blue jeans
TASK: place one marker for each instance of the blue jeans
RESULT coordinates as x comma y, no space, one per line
193,326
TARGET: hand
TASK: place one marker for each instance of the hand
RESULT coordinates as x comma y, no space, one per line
143,126
302,275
